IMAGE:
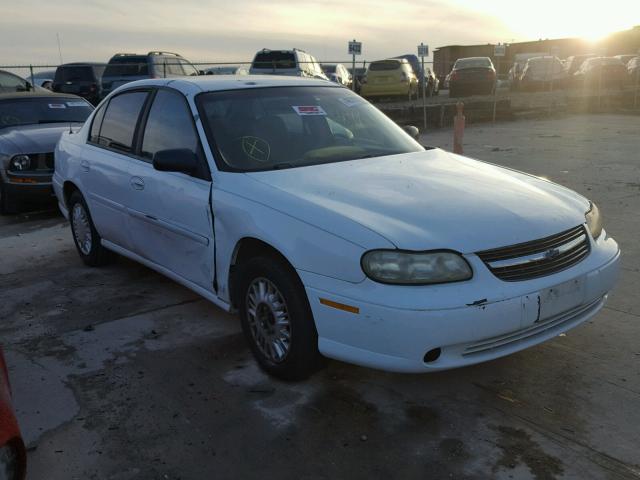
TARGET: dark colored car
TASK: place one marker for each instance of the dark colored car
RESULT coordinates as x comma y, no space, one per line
574,62
10,82
602,72
13,456
472,75
82,79
30,126
127,67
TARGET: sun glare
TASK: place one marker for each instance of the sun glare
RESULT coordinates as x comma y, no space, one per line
559,19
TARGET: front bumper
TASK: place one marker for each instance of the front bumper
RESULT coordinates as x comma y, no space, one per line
28,186
470,322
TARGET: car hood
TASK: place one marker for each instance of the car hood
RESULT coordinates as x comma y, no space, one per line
429,200
33,138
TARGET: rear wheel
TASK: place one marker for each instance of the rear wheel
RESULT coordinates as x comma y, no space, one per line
7,203
85,236
276,319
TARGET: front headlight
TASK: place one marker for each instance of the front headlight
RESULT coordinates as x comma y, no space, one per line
415,268
20,162
594,221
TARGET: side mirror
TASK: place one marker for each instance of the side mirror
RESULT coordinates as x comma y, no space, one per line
176,160
201,72
412,131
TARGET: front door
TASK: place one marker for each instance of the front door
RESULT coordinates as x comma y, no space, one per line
169,213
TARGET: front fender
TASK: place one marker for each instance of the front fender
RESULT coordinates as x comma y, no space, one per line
307,247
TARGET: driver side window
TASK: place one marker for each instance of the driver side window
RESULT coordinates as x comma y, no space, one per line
170,126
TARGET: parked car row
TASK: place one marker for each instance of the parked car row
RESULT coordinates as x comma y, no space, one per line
540,71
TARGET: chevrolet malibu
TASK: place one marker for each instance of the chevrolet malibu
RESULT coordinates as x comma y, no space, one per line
327,227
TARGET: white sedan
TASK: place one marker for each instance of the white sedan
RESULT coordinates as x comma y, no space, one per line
327,227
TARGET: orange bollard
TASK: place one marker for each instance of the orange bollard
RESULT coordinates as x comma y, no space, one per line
458,129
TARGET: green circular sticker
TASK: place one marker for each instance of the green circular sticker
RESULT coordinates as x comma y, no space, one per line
256,148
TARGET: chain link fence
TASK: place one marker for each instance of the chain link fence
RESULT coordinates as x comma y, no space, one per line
513,94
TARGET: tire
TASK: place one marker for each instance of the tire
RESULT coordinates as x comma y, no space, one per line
7,204
85,235
268,287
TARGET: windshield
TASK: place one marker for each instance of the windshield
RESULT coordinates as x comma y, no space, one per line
29,111
286,127
274,59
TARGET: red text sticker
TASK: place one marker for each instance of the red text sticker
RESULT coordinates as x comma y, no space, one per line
309,110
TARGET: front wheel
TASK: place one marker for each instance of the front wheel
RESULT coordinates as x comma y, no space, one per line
276,319
85,236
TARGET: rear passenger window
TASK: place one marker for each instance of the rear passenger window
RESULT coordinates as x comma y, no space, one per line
169,126
120,119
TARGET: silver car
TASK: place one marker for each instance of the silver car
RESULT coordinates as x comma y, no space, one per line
30,126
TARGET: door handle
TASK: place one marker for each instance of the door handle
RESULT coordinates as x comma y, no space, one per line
84,165
137,183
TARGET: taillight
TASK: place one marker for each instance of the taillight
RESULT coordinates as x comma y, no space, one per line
454,75
404,77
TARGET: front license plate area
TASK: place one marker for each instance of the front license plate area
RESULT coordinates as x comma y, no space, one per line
561,298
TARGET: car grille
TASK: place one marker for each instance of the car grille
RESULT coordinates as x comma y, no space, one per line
537,258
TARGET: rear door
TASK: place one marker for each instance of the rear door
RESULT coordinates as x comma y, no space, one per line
169,214
104,168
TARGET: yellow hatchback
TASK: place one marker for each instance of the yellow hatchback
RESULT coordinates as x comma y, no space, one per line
392,77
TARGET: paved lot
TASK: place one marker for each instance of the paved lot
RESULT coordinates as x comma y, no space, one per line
119,373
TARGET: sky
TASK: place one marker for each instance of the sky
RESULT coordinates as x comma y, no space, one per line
232,31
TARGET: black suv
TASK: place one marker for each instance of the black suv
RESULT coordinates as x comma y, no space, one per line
127,67
82,79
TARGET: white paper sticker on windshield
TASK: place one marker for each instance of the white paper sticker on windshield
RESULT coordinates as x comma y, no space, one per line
57,105
309,110
350,101
77,104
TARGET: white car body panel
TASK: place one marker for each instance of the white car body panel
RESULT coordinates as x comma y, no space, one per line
323,218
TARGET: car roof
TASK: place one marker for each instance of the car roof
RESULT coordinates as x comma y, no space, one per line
213,83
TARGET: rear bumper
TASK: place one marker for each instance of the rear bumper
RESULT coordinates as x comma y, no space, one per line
472,86
397,339
381,90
